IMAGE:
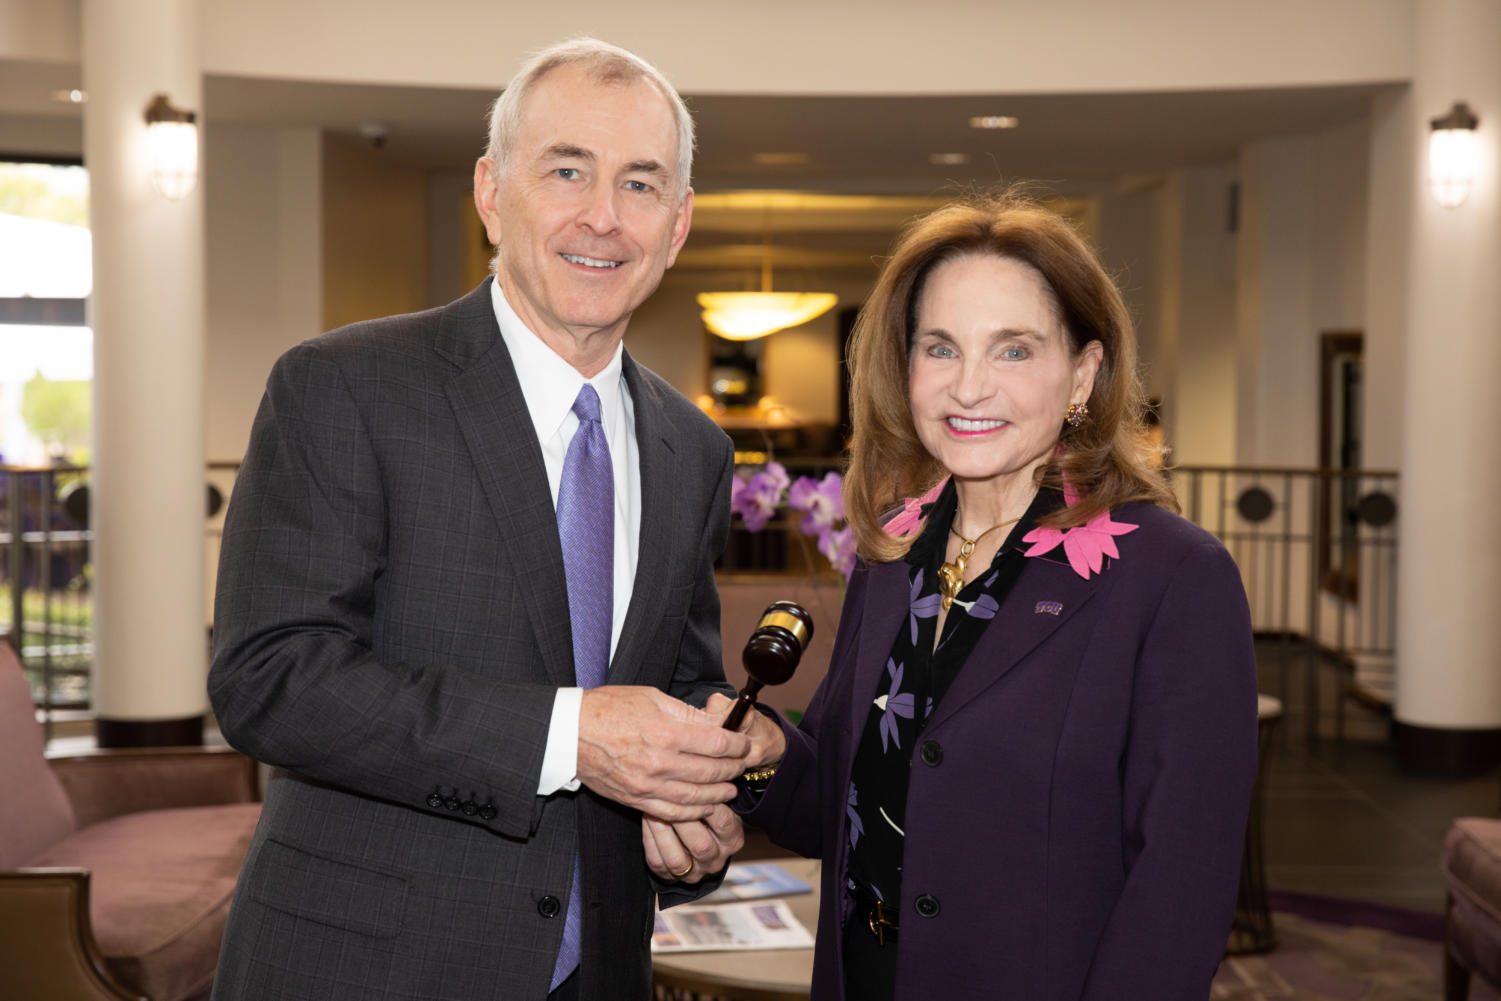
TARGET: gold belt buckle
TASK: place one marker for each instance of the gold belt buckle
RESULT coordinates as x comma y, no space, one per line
878,921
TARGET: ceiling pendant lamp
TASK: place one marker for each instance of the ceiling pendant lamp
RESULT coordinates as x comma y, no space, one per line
745,316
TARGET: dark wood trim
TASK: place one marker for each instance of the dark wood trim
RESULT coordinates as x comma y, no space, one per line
186,732
57,160
61,955
1342,581
1449,751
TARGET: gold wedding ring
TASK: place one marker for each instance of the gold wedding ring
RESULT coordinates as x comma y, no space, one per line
686,870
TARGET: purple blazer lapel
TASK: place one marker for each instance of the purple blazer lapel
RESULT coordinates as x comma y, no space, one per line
1045,597
886,600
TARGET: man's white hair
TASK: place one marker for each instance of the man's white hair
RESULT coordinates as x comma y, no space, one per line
606,63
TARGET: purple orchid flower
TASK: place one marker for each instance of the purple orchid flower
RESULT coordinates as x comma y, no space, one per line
894,704
777,473
821,500
756,498
838,544
920,608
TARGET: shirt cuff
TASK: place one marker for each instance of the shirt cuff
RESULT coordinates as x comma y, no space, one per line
560,762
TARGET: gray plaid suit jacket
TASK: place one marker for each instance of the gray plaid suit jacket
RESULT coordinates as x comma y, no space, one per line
391,625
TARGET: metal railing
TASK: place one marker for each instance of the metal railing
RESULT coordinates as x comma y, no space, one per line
47,612
1316,550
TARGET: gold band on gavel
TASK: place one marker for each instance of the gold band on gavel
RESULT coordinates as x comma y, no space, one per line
789,622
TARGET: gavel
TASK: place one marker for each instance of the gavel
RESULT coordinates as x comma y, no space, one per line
771,654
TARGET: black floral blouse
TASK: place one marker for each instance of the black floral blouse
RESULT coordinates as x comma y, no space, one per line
917,674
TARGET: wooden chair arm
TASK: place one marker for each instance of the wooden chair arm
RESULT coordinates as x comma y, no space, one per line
47,947
108,782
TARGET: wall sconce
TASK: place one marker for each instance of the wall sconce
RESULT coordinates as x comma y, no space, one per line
172,143
1453,155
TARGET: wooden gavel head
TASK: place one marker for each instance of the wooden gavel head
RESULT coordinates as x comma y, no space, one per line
772,652
777,644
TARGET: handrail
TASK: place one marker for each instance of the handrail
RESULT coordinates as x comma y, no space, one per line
1316,569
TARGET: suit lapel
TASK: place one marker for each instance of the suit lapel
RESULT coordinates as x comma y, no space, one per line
492,415
656,448
1045,597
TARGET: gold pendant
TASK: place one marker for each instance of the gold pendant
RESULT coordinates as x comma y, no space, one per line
951,575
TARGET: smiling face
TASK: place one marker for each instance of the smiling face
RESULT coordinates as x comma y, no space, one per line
991,372
587,215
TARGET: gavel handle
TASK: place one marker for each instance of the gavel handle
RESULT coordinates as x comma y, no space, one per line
742,704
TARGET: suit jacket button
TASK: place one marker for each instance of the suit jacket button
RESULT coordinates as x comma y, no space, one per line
932,753
549,907
435,799
469,807
452,802
488,811
927,905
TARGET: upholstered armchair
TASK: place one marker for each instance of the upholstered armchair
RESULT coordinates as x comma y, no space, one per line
116,866
1472,917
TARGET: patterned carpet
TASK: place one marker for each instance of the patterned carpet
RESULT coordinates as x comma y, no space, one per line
1336,950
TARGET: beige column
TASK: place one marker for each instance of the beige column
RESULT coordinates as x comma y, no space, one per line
1448,706
150,653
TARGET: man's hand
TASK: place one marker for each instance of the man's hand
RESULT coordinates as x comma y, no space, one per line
687,852
768,742
644,748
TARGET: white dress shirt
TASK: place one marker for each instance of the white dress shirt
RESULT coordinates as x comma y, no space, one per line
550,385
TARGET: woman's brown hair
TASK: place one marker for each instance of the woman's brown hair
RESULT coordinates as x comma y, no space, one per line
1106,460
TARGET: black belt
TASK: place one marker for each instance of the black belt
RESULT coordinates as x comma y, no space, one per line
873,913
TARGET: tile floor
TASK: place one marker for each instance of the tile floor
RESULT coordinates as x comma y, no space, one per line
1344,818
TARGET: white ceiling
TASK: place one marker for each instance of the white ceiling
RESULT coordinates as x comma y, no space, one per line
857,144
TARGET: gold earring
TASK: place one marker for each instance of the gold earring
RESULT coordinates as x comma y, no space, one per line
1076,414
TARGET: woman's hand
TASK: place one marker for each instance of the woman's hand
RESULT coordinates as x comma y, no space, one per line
768,743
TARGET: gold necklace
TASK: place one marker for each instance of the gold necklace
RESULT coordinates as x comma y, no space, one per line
951,575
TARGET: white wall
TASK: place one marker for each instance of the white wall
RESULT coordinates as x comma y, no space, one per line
792,46
1301,261
42,30
960,46
1341,172
262,212
42,136
1277,357
375,235
1200,418
1128,243
1393,164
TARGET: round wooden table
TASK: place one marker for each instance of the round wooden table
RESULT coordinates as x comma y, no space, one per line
754,974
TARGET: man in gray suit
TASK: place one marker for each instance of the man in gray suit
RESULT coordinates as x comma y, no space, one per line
409,630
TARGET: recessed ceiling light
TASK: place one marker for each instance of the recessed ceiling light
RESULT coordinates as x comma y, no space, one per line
994,122
74,96
781,159
948,159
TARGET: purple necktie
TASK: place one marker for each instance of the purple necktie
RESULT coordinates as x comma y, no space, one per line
586,528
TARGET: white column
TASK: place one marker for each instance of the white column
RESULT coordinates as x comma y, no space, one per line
147,315
1449,560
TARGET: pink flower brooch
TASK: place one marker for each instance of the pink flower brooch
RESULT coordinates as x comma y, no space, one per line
1086,546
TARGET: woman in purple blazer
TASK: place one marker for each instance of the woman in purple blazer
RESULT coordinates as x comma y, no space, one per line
1028,768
